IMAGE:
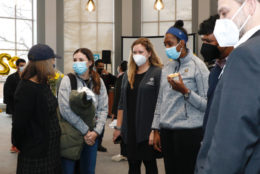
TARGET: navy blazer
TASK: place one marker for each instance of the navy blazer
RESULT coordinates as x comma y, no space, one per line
231,143
213,81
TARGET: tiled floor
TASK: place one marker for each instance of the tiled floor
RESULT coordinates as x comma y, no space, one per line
104,163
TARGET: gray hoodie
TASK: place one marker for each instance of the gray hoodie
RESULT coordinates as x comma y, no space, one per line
172,110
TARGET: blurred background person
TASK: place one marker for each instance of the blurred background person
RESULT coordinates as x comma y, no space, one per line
140,87
213,54
36,132
121,70
109,81
107,77
9,90
181,104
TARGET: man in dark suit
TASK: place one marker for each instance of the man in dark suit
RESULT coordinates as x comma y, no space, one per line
231,143
214,55
9,90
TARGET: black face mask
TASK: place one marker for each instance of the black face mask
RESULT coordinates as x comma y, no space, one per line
99,70
209,52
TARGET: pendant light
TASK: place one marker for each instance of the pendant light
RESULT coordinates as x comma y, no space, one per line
90,6
158,5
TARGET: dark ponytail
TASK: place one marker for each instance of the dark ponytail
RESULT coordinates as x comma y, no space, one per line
179,24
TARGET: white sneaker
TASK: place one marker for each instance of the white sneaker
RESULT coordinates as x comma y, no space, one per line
118,158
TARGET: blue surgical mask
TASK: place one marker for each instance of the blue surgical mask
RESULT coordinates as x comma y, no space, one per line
80,67
172,53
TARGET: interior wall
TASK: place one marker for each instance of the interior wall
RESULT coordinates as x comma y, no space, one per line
127,17
50,20
118,32
204,7
127,22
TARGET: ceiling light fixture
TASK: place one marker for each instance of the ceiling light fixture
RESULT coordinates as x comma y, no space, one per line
158,5
90,6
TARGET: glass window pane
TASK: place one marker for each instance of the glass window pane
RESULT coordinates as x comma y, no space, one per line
150,29
71,10
164,26
22,55
184,9
11,52
24,34
7,8
24,9
188,26
148,12
190,43
7,34
105,10
105,37
68,62
87,16
168,13
89,36
71,36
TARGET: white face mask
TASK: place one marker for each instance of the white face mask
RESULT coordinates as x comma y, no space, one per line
227,32
139,59
21,68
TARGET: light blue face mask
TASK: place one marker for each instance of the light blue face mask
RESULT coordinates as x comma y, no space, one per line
172,52
80,67
21,68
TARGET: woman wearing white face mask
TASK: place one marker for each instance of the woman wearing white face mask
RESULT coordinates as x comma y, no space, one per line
140,87
85,77
181,104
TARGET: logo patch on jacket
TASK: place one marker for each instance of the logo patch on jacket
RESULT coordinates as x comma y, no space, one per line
151,81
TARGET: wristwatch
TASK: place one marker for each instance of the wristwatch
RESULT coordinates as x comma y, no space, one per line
117,128
187,95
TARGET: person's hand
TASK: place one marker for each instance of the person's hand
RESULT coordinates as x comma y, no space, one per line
151,138
105,72
178,85
157,141
88,141
90,138
116,134
112,117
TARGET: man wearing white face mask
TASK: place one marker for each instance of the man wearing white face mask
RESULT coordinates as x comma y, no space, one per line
231,141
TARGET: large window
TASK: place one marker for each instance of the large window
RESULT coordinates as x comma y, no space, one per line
17,26
93,30
17,31
156,23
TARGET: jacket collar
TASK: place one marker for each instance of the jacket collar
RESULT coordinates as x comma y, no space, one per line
185,59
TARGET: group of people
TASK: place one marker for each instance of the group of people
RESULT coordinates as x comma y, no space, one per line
196,120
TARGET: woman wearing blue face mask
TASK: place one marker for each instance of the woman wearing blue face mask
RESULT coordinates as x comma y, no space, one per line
83,62
180,105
